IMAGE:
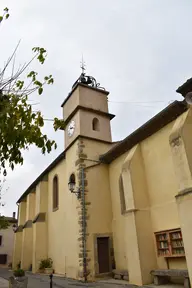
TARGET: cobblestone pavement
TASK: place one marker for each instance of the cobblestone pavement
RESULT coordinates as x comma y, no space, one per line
4,283
42,281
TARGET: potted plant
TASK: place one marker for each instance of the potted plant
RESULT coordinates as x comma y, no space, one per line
18,279
46,265
19,265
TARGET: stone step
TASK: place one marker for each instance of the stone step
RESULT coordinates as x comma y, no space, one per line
120,274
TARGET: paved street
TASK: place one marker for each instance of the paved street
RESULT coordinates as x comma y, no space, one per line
3,283
42,281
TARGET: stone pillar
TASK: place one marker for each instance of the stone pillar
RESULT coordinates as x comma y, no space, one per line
140,251
40,237
27,238
22,213
39,241
17,247
181,147
19,234
27,245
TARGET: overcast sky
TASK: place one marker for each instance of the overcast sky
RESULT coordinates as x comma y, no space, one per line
139,50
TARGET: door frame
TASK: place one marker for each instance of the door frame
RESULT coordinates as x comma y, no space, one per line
96,263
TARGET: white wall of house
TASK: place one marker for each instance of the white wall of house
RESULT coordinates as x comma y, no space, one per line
7,242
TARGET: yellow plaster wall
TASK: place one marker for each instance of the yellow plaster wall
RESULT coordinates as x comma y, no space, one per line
162,185
85,97
99,211
41,198
93,149
40,235
40,241
181,147
44,196
27,234
161,189
68,139
133,173
93,99
27,248
186,135
17,249
37,198
63,223
119,222
72,102
86,129
18,237
184,207
22,213
30,209
83,126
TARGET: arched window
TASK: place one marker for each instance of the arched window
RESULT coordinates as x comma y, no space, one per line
55,193
72,178
95,124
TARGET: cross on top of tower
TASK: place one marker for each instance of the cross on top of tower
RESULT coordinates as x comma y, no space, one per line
83,66
85,79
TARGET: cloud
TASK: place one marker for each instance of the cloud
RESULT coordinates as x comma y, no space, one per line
139,50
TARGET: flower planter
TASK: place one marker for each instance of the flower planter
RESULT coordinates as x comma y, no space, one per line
41,271
18,282
48,270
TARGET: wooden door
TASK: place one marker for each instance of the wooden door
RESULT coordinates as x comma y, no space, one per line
103,254
3,258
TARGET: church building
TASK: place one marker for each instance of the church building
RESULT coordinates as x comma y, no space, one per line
102,205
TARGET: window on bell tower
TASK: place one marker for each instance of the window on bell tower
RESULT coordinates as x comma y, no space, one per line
95,124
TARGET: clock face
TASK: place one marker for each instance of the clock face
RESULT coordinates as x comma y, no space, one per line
71,128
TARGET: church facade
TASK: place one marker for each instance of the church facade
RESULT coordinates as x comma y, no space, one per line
102,205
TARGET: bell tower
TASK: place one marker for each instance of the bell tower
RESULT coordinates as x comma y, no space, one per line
85,111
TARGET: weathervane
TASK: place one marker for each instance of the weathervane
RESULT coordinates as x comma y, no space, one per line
87,80
82,65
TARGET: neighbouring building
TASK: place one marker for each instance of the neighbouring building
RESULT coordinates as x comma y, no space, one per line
131,203
7,241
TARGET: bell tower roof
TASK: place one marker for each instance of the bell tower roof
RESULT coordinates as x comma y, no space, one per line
86,81
85,111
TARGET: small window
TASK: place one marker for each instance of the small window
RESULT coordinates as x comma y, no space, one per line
72,178
55,193
95,124
1,240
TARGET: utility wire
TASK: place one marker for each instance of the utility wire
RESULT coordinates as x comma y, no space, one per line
140,102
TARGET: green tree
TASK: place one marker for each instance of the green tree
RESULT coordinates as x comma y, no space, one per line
4,223
20,126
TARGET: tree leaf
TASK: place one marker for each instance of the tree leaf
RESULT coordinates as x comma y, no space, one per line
4,224
20,126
